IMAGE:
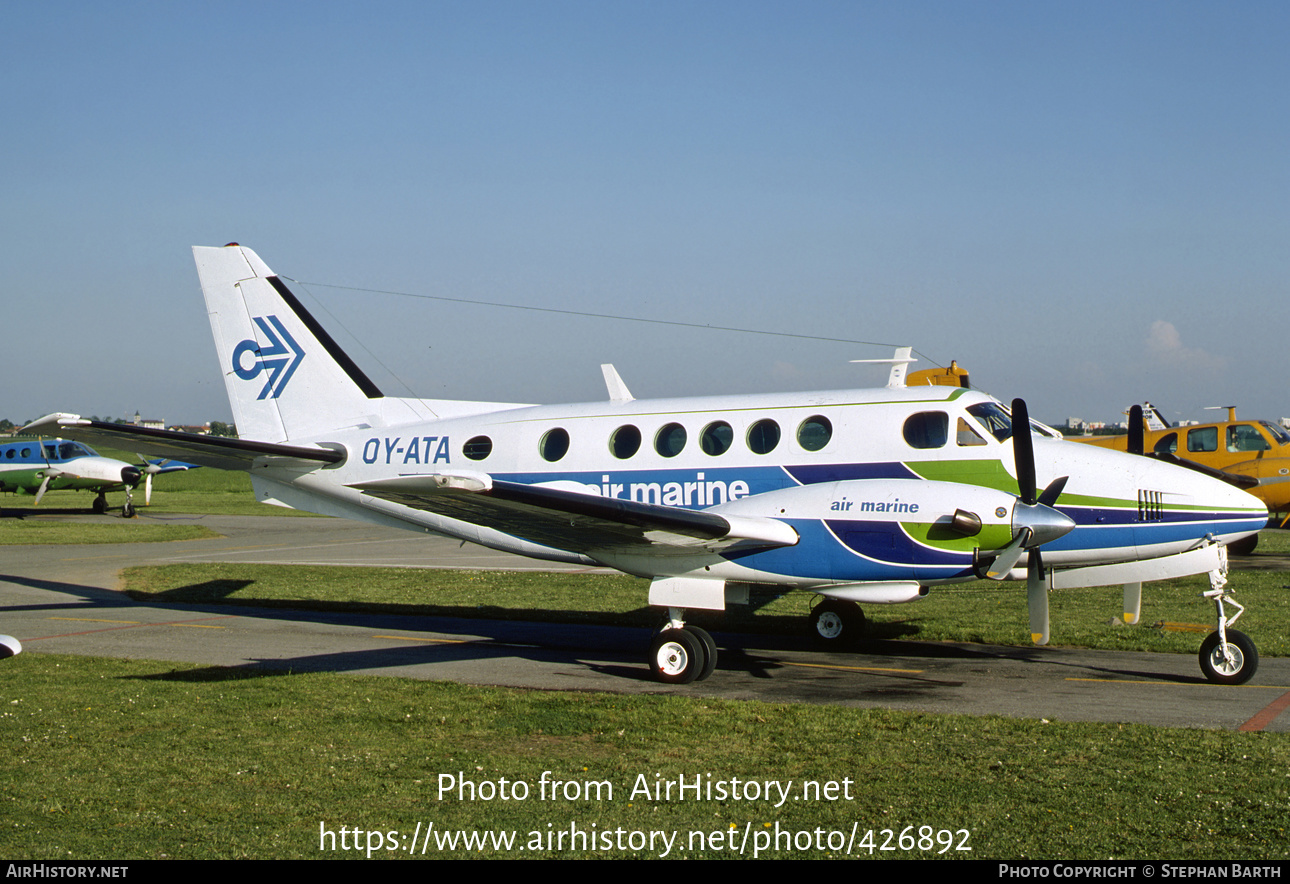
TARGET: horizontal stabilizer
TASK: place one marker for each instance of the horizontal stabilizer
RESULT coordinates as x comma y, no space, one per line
219,452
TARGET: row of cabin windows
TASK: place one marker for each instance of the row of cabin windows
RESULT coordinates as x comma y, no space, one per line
924,430
59,451
716,439
1240,437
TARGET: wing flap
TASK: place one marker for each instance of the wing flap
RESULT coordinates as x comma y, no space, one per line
574,521
207,451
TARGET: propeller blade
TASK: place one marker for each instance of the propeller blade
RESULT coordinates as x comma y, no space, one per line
1007,559
147,490
1023,450
44,486
1037,598
1053,491
1136,430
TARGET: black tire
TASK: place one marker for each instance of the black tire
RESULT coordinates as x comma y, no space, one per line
676,656
1218,668
709,651
1244,546
100,505
127,511
837,623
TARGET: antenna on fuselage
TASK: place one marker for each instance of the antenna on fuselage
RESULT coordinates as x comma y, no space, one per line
1231,410
618,391
899,363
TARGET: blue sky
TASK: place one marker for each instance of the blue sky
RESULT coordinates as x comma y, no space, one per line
1084,203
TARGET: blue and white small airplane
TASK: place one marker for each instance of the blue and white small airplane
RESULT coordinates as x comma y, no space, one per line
860,496
39,465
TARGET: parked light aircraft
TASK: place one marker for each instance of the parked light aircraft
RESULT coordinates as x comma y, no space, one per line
39,465
1252,454
861,496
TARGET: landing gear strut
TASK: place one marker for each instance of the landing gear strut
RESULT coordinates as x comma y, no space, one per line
680,654
1226,656
127,509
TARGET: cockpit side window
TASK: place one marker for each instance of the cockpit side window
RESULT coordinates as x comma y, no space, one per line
1166,444
927,429
968,436
1243,437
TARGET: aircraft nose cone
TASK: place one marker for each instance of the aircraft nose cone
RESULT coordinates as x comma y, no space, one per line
131,475
1045,523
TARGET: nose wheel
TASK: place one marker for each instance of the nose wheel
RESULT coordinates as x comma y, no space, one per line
1227,656
1230,661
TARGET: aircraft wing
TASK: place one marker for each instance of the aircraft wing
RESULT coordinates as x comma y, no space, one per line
206,451
575,521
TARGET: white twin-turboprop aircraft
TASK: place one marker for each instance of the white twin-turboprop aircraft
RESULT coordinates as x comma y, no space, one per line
861,496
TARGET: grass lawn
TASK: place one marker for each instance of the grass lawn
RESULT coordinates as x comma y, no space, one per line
131,759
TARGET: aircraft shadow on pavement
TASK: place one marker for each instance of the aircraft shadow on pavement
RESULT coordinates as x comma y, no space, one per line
103,597
559,640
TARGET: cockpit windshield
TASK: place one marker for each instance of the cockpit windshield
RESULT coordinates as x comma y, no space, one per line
66,450
1277,432
993,418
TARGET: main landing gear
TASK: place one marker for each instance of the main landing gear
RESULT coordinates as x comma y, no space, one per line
1226,656
681,654
837,623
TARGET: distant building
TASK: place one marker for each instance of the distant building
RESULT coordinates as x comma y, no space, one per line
150,423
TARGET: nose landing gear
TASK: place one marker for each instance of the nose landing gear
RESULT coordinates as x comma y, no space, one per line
1227,656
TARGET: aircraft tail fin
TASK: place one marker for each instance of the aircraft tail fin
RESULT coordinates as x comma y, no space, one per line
286,377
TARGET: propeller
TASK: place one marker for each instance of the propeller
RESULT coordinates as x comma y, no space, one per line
1136,430
51,471
1035,522
149,470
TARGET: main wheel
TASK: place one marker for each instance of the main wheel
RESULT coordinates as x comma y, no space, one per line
709,651
1236,666
836,622
676,656
1244,546
100,505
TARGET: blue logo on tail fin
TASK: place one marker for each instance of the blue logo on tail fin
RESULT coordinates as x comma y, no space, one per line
280,358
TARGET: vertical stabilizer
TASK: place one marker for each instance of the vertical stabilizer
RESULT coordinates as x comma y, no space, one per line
285,376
